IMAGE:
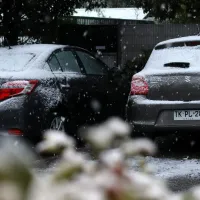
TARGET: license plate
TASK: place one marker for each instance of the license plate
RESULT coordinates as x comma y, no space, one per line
187,115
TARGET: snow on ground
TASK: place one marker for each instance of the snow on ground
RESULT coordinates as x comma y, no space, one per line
162,167
169,168
180,174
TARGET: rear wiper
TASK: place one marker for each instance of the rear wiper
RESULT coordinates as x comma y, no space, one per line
177,64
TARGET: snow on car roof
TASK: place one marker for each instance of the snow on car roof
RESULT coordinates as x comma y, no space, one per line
36,49
181,39
174,54
41,53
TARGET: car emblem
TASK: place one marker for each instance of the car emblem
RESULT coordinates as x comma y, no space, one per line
187,79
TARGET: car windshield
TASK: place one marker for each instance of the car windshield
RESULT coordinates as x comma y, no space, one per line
14,62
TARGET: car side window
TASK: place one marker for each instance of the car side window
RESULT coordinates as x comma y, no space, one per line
68,61
91,64
54,64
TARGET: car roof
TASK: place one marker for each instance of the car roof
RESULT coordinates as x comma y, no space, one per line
36,49
180,39
41,53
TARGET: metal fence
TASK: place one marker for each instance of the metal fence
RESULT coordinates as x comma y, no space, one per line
103,21
133,39
132,36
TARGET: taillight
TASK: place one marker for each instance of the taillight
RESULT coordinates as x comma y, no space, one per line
13,88
139,86
16,132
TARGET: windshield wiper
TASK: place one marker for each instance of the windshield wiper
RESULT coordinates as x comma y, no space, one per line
177,64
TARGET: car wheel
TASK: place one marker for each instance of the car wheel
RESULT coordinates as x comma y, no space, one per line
58,123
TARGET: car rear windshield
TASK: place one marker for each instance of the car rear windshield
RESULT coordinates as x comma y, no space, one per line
15,62
180,57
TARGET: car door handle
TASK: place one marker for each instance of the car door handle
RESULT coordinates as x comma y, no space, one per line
67,86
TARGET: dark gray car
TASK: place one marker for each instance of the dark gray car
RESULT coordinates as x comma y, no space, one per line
165,95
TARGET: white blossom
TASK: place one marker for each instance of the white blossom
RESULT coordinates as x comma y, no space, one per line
78,191
90,167
72,157
118,127
178,196
112,158
105,179
194,193
138,147
78,177
148,187
100,137
10,191
54,140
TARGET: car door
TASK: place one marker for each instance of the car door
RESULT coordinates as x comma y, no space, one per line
98,82
57,71
71,79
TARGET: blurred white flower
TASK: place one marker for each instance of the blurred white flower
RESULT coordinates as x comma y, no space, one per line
72,157
118,127
41,189
10,191
88,183
106,179
99,137
148,187
138,147
90,167
55,141
79,191
85,179
112,158
72,163
77,177
103,135
193,194
178,196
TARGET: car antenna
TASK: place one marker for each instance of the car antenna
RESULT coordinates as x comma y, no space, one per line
5,38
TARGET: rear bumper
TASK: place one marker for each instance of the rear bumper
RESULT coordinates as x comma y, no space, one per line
15,113
12,114
158,116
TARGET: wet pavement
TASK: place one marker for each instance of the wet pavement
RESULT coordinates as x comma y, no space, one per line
178,162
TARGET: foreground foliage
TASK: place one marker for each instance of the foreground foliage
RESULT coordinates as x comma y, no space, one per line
39,13
103,175
179,11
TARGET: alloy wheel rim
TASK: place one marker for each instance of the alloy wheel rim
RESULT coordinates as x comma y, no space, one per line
58,124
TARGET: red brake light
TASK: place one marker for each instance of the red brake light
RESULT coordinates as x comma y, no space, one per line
13,88
16,132
139,86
